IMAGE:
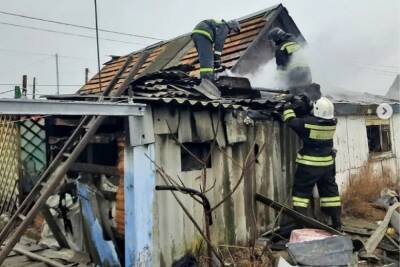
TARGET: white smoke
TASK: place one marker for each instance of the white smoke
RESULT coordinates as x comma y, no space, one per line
356,49
266,76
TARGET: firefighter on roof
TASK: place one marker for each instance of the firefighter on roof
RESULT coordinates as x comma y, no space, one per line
290,61
209,38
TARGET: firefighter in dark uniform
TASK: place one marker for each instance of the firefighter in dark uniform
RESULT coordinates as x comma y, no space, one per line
315,160
209,38
290,62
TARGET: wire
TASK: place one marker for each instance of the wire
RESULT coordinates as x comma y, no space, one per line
43,54
79,26
14,84
28,65
67,33
4,92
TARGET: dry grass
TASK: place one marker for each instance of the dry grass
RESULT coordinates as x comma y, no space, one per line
363,189
238,256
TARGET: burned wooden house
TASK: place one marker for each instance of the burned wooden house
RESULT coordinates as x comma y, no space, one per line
185,138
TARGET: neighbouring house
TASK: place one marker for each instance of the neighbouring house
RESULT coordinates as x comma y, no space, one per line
362,137
394,90
182,127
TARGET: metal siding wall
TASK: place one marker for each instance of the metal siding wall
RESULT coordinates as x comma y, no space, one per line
139,189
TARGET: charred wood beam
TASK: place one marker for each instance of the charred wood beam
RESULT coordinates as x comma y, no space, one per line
94,168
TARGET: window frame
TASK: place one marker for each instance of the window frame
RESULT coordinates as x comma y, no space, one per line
375,121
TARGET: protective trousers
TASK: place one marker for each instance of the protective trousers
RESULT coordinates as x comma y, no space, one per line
324,177
204,49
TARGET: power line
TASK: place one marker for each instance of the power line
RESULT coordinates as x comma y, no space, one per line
38,85
27,64
43,54
79,26
67,33
8,91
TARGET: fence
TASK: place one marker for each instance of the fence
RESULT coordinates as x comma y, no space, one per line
10,163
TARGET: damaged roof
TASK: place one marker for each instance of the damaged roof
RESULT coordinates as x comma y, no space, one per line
243,52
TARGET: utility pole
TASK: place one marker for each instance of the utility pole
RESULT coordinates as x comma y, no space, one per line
86,75
58,77
24,85
97,43
34,88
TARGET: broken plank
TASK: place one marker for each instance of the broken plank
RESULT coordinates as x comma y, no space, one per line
34,256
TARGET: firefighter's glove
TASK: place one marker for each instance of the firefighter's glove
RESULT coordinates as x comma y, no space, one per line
287,106
277,115
288,97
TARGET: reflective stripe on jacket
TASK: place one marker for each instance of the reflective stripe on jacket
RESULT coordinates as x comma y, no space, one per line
288,56
215,30
317,135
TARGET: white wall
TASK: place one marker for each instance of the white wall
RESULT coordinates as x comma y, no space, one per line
352,145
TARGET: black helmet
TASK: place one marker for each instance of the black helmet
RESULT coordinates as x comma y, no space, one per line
277,34
234,26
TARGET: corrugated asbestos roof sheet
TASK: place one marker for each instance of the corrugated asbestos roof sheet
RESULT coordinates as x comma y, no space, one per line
359,98
181,51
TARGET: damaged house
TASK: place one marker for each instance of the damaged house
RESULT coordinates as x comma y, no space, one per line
185,138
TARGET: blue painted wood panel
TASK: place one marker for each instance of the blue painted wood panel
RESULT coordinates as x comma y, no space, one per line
139,193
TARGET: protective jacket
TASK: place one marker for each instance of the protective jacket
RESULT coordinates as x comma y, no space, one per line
317,135
284,52
215,30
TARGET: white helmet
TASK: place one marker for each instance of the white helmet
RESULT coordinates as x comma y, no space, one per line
323,108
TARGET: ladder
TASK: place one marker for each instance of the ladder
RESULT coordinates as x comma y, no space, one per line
55,172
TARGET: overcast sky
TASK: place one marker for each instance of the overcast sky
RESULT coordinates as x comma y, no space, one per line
354,45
